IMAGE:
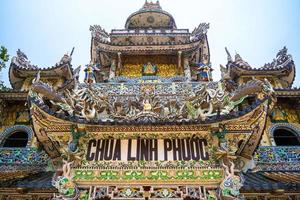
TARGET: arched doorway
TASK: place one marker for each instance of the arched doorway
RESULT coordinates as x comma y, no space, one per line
286,137
16,136
16,139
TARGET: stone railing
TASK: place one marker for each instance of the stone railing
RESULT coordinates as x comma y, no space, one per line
162,88
270,158
147,31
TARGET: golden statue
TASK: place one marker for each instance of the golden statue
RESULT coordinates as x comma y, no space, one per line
149,69
147,105
279,115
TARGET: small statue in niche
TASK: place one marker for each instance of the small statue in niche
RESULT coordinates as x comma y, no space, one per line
22,117
278,115
76,133
221,136
226,150
90,73
147,105
149,70
204,72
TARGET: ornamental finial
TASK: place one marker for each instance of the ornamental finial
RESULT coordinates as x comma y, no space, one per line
229,58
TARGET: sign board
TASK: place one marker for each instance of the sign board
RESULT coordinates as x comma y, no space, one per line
192,148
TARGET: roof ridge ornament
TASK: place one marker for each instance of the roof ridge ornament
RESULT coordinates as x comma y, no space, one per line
65,59
225,72
72,51
199,31
151,6
21,54
237,57
23,61
99,33
229,58
239,60
282,57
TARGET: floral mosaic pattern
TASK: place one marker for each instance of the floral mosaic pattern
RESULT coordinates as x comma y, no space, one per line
277,154
22,156
152,164
150,175
277,158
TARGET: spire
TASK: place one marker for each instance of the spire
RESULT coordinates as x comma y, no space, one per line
72,52
229,58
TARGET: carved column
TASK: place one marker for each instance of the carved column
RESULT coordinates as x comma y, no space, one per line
186,67
179,69
119,63
112,71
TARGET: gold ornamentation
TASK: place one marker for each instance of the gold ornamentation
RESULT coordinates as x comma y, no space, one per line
279,114
135,70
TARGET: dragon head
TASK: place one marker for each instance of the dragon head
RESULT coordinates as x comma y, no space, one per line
231,185
64,184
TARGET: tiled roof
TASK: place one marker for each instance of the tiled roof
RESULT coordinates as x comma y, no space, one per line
259,182
40,180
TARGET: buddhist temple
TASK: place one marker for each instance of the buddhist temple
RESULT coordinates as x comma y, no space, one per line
149,122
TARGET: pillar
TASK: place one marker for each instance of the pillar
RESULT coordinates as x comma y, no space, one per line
119,63
186,67
112,71
179,69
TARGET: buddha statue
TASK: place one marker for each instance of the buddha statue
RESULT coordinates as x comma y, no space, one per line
147,105
149,69
278,114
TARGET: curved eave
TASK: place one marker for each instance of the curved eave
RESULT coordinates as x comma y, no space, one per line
146,11
295,92
148,48
286,72
13,95
260,182
18,73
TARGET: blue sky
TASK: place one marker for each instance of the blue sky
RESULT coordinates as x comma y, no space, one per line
46,29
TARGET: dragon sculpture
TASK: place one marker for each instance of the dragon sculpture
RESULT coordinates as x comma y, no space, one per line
281,58
231,185
22,61
45,90
200,31
99,33
76,135
171,102
98,102
64,184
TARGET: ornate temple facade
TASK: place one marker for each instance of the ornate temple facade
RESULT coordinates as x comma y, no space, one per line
149,123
